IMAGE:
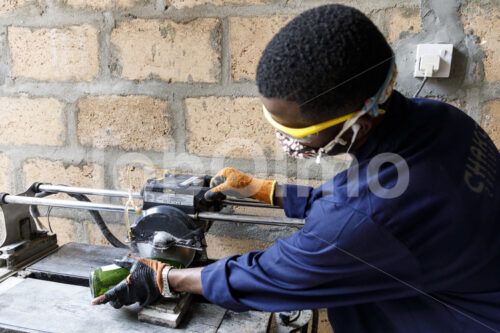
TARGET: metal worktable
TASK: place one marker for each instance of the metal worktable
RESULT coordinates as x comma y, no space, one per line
51,295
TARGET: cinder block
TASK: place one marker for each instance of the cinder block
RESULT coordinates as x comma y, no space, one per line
135,175
96,238
305,182
241,210
129,122
55,172
103,4
365,6
403,20
180,52
54,54
220,247
484,22
4,174
454,102
232,127
38,121
491,121
11,6
249,37
64,228
179,4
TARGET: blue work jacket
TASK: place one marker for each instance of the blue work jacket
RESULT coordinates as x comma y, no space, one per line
406,240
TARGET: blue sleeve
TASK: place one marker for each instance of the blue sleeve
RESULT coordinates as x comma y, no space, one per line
340,258
296,200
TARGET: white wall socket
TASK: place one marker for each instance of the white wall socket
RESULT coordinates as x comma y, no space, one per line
445,52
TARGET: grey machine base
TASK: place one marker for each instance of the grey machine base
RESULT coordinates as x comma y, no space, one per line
58,304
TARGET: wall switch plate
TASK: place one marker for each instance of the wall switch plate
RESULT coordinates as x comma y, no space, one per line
445,52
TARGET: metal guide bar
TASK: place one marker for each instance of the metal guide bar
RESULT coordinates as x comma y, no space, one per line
83,190
268,220
136,195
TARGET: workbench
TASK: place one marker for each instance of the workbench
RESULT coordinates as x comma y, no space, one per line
52,295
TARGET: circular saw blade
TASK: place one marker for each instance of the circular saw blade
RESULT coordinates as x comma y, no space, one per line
181,229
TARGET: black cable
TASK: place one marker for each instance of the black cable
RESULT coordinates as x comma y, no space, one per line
35,213
96,216
421,86
315,320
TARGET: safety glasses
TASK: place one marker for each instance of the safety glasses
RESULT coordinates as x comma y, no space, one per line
305,133
371,107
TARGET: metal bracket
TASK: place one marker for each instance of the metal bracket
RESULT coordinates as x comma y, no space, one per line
293,321
20,240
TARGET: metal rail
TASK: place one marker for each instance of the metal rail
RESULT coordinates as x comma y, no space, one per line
209,216
22,200
267,220
136,195
89,191
248,203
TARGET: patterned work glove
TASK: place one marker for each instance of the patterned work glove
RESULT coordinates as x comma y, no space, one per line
143,285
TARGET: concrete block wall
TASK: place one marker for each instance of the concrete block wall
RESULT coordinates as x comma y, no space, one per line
87,86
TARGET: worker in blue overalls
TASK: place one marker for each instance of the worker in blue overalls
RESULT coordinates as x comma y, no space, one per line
407,239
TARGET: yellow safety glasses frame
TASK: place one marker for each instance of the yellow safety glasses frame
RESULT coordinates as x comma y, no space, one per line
305,131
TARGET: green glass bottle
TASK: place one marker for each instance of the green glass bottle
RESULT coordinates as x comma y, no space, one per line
104,278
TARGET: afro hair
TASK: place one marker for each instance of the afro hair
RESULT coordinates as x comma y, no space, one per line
327,59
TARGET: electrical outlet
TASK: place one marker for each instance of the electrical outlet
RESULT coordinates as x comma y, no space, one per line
426,51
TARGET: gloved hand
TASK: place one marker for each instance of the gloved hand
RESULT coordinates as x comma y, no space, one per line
232,182
143,285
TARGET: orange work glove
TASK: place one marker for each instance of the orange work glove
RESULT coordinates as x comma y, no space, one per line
232,182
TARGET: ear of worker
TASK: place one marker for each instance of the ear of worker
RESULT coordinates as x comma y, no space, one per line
143,285
234,183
